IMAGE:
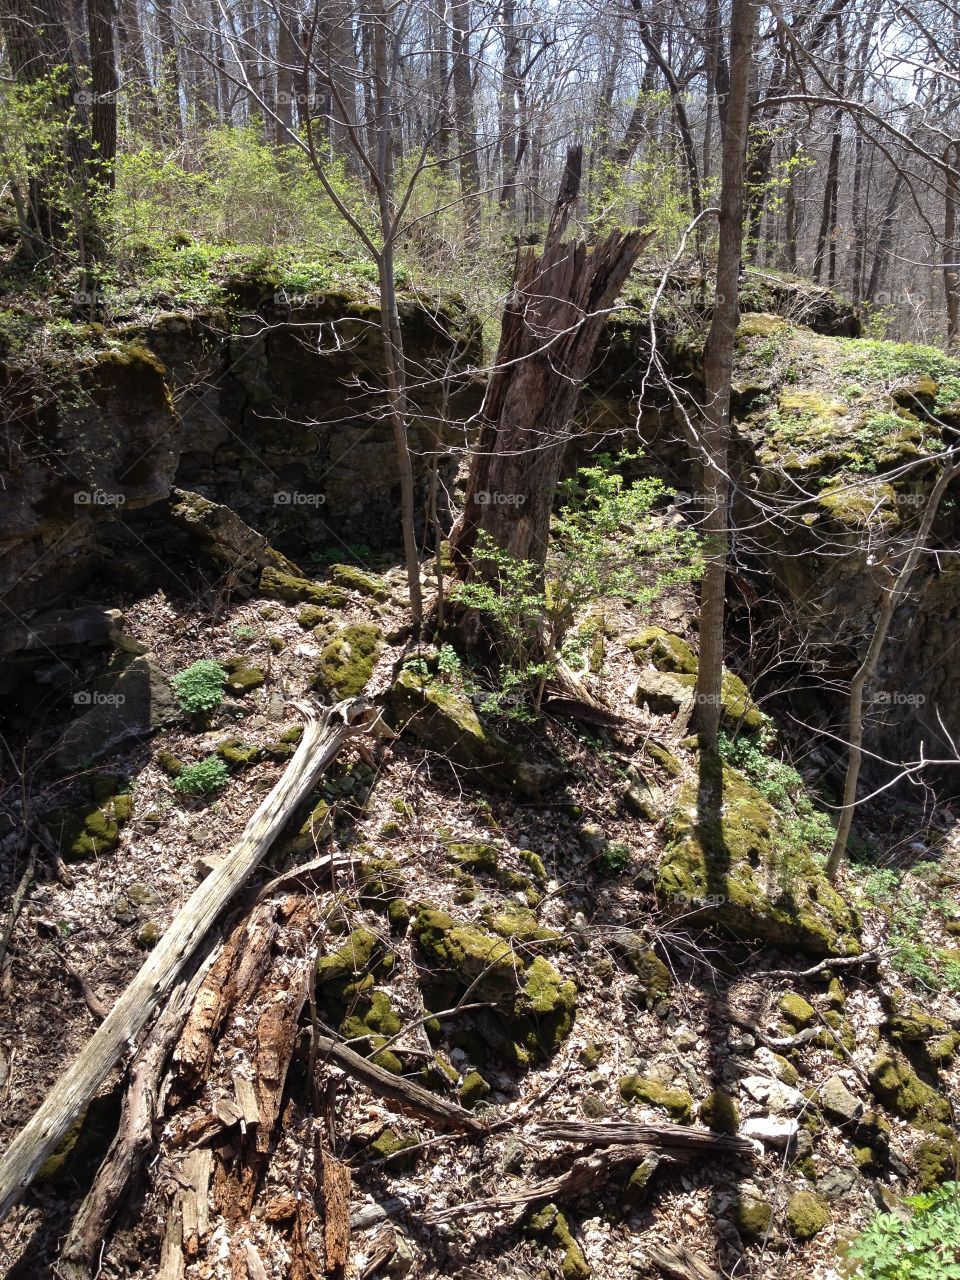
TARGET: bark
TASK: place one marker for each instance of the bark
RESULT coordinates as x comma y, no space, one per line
103,85
885,237
551,324
169,85
867,669
951,246
465,113
509,141
321,741
718,373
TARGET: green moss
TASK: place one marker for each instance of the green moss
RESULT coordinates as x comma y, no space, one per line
347,661
550,1223
900,1089
807,1215
722,865
719,1112
664,759
936,1160
398,913
311,616
535,863
91,829
354,579
474,1088
148,935
589,1055
798,1012
753,1218
759,324
397,1151
835,997
360,954
287,586
172,765
676,1102
243,677
666,651
234,753
519,924
785,1070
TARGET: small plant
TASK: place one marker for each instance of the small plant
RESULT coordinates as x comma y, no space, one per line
923,1244
244,632
200,687
804,826
614,859
417,667
448,662
201,778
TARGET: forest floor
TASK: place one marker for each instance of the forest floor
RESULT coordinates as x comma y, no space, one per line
423,825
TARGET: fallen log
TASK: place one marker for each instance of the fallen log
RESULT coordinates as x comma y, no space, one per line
322,739
659,1136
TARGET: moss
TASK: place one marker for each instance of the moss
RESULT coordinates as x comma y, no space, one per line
664,759
360,954
835,997
367,584
936,1160
719,1112
311,616
550,1223
398,913
676,1102
753,1218
347,661
391,829
637,1183
807,1215
519,924
589,1055
900,1089
171,765
277,644
243,677
759,324
234,753
654,975
148,935
474,1088
798,1012
535,863
91,829
397,1151
722,866
784,1070
287,586
380,880
667,652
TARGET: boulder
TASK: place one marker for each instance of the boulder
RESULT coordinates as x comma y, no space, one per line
131,700
728,871
839,1103
230,540
807,1215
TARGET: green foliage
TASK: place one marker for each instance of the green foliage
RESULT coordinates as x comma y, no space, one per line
614,859
913,953
199,687
201,778
922,1244
448,662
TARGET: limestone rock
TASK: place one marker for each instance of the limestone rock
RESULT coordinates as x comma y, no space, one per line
839,1103
131,700
230,540
773,1131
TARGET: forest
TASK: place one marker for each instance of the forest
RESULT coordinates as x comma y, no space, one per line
479,606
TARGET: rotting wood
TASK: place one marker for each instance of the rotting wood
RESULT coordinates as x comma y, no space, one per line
661,1136
322,739
405,1094
129,1146
336,1216
680,1264
98,1010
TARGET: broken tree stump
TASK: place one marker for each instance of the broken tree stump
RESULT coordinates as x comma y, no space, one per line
322,739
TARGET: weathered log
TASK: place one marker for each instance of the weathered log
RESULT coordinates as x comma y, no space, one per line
322,739
661,1136
404,1093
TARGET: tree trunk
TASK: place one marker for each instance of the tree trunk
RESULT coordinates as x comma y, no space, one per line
951,246
465,114
104,85
551,324
717,376
885,236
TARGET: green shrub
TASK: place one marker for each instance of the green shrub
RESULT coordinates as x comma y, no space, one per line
922,1246
200,687
201,778
614,859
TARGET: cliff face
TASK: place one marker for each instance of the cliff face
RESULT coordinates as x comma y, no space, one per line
276,411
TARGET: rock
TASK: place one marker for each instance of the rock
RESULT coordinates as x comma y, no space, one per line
91,828
659,691
753,1217
669,683
666,651
131,700
551,1223
354,579
901,1091
935,1160
243,675
719,1112
643,799
773,1131
474,1088
229,539
444,719
839,1103
281,585
347,661
807,1215
594,1107
727,872
836,1183
396,1151
779,1097
676,1102
799,1013
655,977
148,935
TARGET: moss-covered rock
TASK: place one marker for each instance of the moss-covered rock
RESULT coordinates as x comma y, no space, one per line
676,1102
719,1112
311,615
797,1012
398,913
519,924
900,1089
666,651
671,686
551,1224
287,586
936,1160
360,954
346,662
443,718
171,765
807,1215
722,866
237,754
535,1005
399,1152
752,1218
655,977
354,579
473,1089
91,828
243,676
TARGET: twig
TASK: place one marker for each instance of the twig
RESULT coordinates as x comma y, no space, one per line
98,1009
841,962
16,905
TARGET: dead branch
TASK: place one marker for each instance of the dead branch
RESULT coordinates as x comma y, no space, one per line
17,904
659,1136
98,1010
322,739
838,962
